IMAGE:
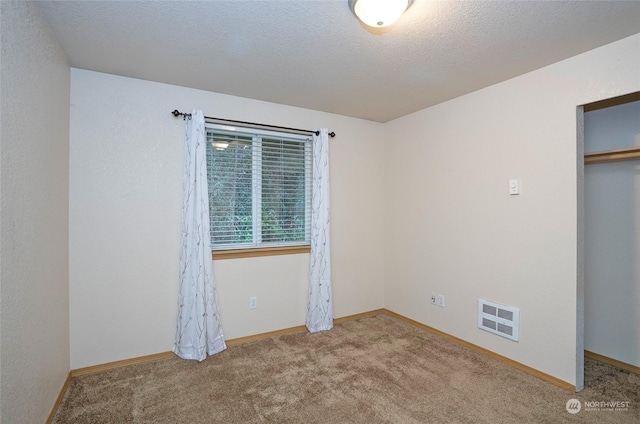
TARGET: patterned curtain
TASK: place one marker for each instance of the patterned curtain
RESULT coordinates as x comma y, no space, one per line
198,330
319,307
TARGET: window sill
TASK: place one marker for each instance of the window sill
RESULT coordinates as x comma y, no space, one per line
257,252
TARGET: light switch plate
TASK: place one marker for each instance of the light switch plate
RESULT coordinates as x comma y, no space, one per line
514,187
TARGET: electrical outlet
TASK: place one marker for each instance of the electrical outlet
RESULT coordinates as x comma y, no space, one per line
253,302
433,298
441,300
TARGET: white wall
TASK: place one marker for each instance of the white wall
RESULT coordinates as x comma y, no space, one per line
452,228
34,196
612,230
126,155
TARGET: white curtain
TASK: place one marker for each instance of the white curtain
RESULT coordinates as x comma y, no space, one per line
319,307
198,330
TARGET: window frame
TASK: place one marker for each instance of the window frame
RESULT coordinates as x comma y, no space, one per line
259,248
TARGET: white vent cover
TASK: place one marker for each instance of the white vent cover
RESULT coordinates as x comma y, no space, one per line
498,319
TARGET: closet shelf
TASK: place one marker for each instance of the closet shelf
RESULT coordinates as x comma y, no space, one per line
612,155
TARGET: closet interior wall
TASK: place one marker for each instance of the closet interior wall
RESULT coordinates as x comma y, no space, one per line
612,231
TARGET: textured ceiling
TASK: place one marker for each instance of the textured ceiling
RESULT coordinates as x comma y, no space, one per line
315,54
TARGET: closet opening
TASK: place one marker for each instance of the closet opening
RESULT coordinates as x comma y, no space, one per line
608,288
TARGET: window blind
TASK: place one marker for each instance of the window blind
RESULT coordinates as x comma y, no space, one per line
259,188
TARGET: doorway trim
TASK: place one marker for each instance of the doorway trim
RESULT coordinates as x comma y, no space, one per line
581,250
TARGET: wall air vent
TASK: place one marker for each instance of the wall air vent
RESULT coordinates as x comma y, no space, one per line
498,319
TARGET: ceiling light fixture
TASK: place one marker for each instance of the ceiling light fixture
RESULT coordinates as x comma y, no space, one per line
379,13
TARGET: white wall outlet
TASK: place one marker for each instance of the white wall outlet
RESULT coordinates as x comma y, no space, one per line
253,302
441,300
433,298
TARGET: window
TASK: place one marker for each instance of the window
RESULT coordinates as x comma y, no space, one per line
259,188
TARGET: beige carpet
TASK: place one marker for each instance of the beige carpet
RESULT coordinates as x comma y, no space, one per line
371,370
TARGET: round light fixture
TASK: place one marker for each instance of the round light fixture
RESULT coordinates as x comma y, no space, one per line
379,13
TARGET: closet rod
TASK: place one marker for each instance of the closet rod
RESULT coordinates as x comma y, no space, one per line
177,113
612,155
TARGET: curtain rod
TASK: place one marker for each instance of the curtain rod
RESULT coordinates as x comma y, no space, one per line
177,113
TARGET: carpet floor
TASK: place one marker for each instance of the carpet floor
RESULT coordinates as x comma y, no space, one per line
376,369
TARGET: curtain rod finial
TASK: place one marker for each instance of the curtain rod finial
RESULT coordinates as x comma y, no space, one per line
177,113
